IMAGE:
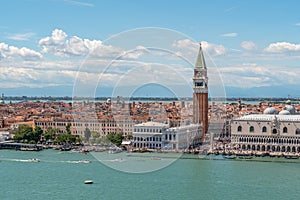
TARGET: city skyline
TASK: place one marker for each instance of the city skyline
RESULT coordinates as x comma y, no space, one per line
254,45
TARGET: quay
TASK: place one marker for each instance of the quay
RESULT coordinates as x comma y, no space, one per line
20,146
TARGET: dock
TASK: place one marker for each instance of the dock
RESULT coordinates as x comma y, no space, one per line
20,146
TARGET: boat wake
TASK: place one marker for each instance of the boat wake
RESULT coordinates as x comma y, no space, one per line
22,160
115,160
78,161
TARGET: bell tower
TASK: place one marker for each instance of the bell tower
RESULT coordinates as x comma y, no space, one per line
200,93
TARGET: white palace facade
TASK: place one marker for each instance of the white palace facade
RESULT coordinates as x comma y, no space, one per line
155,135
271,132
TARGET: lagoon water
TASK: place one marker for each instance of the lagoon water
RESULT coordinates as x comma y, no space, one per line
59,176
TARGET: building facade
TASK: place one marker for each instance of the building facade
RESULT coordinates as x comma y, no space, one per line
182,137
148,135
266,133
78,127
154,135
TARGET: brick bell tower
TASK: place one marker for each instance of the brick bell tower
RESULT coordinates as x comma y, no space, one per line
200,93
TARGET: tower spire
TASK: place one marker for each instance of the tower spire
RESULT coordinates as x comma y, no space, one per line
200,63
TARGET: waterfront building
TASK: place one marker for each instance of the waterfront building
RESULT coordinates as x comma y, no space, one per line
273,131
4,134
200,93
182,137
78,127
155,135
148,135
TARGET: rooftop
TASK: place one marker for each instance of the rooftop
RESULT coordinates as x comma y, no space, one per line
152,124
261,117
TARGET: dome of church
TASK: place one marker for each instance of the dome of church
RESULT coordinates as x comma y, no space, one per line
290,108
270,111
284,112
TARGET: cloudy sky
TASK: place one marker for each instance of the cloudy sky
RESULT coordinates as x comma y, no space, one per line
57,47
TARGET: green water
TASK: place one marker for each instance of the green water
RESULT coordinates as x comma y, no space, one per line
58,176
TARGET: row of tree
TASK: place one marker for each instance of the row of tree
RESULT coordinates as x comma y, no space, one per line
95,138
26,134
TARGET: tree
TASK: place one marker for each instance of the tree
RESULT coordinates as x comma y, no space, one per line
115,138
68,128
95,134
36,134
87,134
65,138
23,133
129,137
50,134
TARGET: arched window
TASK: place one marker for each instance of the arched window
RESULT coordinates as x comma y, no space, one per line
264,129
285,130
274,131
297,131
251,129
239,129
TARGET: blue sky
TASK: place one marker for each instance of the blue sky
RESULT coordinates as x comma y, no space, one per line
252,43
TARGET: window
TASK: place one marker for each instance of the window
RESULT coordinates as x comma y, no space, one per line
239,129
297,131
274,131
251,129
285,130
264,129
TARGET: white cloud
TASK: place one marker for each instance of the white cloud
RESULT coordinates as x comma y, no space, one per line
229,35
248,45
255,75
280,47
188,46
297,24
213,49
9,52
60,45
21,36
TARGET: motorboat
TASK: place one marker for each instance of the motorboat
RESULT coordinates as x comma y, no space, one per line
114,150
88,182
84,161
33,160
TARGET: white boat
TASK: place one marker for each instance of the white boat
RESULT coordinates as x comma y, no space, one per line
33,160
84,161
88,182
113,150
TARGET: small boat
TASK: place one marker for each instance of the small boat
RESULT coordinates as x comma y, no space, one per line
88,182
66,148
114,150
230,156
84,161
33,160
291,157
155,158
245,157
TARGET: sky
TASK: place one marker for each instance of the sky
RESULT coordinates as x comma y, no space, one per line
103,48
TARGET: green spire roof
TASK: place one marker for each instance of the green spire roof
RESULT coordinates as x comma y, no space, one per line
200,59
